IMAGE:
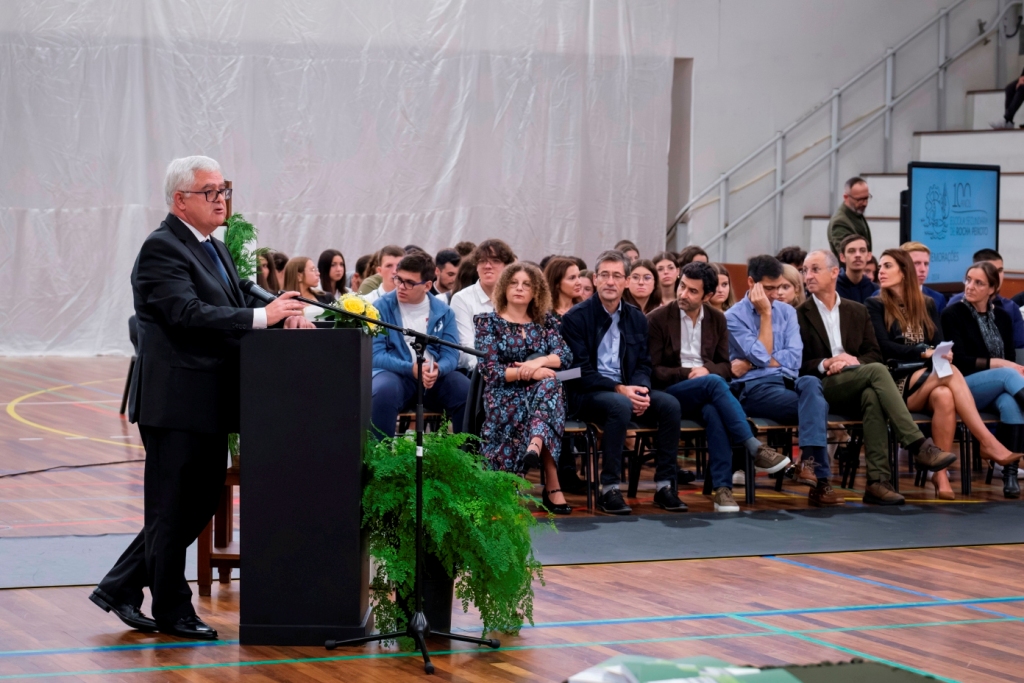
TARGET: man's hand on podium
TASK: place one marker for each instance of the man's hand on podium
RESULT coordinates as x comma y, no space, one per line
298,322
283,307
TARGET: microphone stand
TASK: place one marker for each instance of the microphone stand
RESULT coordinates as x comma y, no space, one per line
418,628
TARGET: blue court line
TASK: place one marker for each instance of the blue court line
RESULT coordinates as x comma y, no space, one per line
768,631
871,582
581,623
846,650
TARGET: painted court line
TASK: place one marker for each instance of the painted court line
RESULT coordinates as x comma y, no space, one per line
767,631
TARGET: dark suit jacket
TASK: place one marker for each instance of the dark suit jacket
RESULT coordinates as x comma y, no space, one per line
855,331
969,351
583,327
190,325
666,339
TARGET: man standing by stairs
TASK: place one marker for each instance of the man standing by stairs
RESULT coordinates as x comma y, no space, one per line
849,217
1014,98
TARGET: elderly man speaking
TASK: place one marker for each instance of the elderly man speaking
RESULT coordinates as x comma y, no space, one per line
184,393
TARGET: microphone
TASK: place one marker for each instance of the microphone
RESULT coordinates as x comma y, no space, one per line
253,289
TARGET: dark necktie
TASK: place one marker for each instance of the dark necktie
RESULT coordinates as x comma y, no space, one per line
212,251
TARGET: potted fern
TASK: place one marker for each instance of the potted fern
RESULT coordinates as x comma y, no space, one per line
476,530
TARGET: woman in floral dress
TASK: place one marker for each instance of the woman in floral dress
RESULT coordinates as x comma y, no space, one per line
524,403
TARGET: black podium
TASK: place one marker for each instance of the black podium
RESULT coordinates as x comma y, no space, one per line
305,412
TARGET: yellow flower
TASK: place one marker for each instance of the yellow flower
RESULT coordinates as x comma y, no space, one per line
372,312
354,305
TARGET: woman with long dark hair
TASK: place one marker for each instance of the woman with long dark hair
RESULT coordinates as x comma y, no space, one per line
908,329
331,265
668,274
266,276
641,286
563,278
723,297
982,336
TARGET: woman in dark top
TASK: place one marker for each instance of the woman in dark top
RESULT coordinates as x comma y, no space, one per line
563,278
907,328
982,336
524,403
331,265
641,286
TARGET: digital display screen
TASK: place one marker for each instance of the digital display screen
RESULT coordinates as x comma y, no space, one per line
954,210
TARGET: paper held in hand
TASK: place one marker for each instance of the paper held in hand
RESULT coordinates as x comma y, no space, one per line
939,363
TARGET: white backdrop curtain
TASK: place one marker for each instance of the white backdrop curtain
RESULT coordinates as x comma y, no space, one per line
344,125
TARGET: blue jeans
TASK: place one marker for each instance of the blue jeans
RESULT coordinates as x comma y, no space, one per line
394,393
805,405
708,400
996,388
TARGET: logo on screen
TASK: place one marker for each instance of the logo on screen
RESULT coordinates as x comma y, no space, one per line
957,219
936,213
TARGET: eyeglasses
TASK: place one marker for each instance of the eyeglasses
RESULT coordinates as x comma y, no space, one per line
605,275
226,193
642,278
862,199
525,285
407,284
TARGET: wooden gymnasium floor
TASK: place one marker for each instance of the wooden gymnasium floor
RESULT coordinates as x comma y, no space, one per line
955,613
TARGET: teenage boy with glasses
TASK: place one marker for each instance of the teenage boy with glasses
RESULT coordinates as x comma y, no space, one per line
412,305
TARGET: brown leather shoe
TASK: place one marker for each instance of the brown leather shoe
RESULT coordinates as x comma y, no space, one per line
805,473
882,493
933,458
823,495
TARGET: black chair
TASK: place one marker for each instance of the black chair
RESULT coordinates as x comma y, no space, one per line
133,335
848,454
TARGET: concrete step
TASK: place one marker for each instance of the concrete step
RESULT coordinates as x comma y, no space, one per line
886,187
1004,148
984,107
885,234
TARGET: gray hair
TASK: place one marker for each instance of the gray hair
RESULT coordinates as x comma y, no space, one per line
830,259
616,256
181,173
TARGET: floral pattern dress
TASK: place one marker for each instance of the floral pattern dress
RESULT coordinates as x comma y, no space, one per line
518,411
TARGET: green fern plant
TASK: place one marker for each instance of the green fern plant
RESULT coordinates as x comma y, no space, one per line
474,519
238,234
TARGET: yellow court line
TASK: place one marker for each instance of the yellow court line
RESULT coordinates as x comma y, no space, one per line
11,410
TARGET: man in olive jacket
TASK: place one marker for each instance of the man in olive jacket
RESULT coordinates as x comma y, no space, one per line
849,217
841,350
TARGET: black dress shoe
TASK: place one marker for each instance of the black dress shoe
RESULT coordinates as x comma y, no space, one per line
563,509
666,498
686,477
612,503
189,627
129,614
569,482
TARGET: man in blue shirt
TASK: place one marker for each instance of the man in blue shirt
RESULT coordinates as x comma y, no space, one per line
608,340
853,283
994,257
767,352
411,305
921,255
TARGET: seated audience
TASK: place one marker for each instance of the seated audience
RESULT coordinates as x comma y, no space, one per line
411,305
767,353
586,284
922,258
331,265
640,287
1012,309
301,275
793,256
447,263
491,257
853,283
356,279
562,277
280,261
267,275
840,349
580,263
629,249
982,337
668,275
907,328
524,403
608,340
690,254
465,248
871,269
390,256
723,297
689,346
412,248
467,275
791,290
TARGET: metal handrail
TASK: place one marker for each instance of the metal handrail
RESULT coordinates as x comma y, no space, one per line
994,26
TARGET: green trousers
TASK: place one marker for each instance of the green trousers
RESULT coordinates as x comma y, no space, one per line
870,393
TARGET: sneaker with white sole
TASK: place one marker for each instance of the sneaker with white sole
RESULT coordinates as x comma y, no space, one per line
769,460
724,502
1001,125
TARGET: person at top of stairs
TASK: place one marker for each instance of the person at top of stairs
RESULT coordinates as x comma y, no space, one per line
849,217
1014,98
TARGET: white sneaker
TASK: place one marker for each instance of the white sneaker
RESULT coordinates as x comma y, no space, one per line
739,478
1001,125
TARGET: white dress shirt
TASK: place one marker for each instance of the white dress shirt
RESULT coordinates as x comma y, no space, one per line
689,338
467,303
832,329
259,315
